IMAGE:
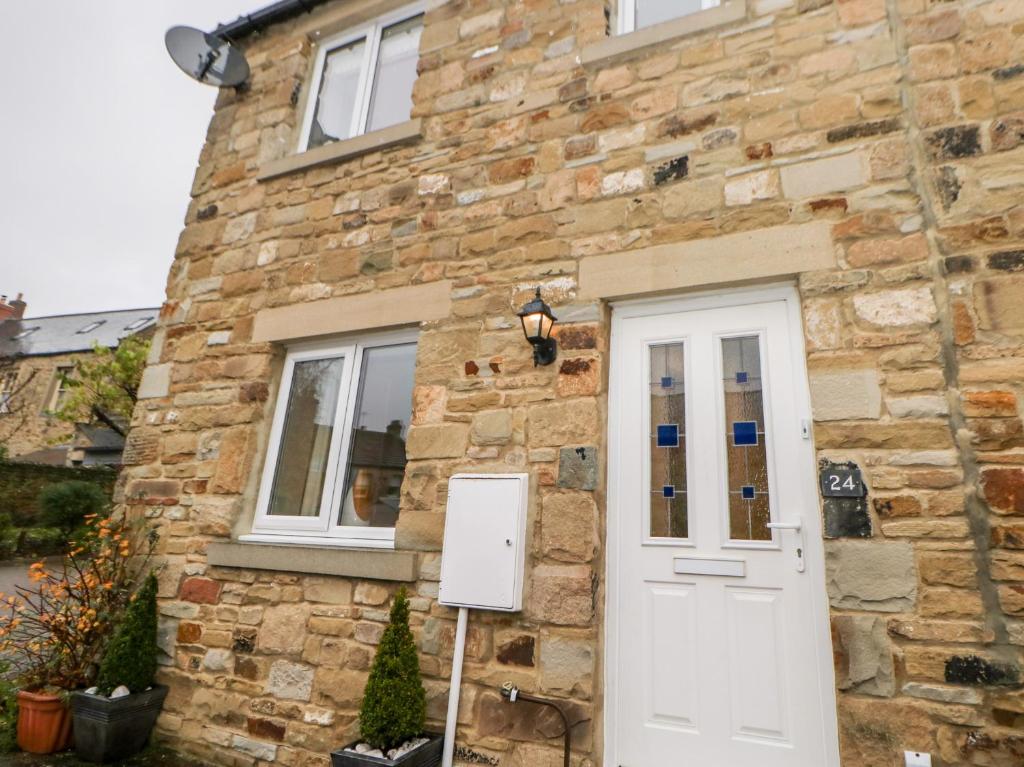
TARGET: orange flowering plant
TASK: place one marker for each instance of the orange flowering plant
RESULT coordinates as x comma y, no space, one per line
55,630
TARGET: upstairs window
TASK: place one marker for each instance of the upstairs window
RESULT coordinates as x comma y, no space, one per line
8,381
639,14
61,389
336,457
363,79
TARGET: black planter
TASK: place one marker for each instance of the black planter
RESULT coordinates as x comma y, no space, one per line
427,755
108,730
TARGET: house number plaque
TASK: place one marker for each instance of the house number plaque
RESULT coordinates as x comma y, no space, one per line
837,482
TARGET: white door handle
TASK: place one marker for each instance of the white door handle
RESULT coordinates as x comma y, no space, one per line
796,526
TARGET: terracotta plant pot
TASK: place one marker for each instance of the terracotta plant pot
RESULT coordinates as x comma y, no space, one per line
44,723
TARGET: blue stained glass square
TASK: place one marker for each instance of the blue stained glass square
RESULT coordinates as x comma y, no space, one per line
744,433
669,491
666,382
668,435
747,491
741,377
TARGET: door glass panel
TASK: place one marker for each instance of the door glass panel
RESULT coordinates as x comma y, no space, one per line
746,452
306,438
669,514
335,103
380,425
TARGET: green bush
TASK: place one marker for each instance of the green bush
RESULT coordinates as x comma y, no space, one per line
8,537
130,658
67,504
394,703
41,542
8,711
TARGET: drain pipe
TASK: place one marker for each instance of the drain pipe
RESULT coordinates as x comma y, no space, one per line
453,690
510,691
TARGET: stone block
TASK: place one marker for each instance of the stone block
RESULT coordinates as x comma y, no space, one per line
562,595
289,681
284,628
1003,489
566,665
578,468
897,308
447,440
823,176
999,305
569,527
491,427
560,423
863,655
875,576
840,395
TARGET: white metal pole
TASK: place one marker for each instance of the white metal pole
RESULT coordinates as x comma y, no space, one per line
456,683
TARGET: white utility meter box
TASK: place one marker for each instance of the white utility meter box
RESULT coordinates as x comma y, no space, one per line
485,541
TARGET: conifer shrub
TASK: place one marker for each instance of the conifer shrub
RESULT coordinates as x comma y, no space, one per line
65,505
394,702
130,658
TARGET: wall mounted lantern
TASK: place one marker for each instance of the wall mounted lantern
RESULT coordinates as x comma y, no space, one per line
537,322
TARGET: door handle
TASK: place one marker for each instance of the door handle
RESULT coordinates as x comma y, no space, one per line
796,526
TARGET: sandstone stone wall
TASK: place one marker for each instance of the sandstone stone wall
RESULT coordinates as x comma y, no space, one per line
27,427
898,124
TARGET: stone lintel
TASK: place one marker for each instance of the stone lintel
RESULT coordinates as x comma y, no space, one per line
394,307
778,251
604,51
376,564
337,151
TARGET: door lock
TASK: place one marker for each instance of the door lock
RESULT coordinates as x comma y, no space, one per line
798,528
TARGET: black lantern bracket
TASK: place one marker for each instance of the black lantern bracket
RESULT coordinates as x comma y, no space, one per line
538,321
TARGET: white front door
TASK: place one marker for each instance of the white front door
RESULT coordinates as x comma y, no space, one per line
717,624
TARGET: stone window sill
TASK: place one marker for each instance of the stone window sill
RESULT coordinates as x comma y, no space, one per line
338,151
618,46
373,564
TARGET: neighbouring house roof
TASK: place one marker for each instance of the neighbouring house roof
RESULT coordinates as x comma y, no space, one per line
65,333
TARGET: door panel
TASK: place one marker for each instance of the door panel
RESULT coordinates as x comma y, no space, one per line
706,450
673,655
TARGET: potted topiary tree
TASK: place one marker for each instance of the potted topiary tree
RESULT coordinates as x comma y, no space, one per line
113,720
394,710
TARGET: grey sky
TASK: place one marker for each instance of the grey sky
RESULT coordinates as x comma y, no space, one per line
101,133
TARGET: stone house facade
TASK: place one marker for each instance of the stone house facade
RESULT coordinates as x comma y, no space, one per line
857,161
34,352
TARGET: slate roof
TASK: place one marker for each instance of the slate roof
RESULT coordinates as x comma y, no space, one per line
63,333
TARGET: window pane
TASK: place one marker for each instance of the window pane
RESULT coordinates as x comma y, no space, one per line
746,451
651,12
668,443
391,102
306,438
336,101
376,462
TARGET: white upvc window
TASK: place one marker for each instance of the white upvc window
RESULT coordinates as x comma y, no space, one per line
336,458
8,381
363,79
638,14
60,389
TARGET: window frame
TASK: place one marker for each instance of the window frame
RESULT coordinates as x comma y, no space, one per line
626,21
324,528
8,386
57,388
371,31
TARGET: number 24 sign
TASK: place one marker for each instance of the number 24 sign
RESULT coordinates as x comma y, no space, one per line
842,483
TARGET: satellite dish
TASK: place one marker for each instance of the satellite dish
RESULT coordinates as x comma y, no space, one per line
206,57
